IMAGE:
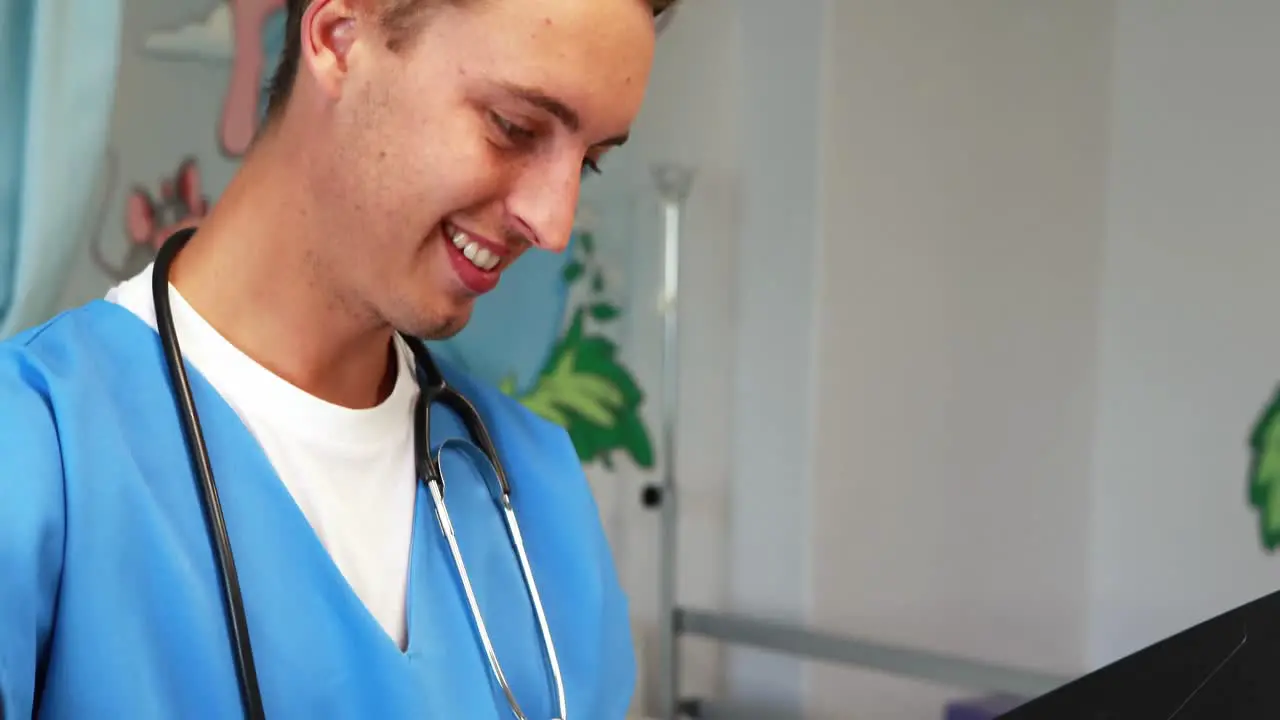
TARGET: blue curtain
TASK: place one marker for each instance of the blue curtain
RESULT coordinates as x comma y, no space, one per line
58,61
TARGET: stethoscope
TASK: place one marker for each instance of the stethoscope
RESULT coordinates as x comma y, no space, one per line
432,388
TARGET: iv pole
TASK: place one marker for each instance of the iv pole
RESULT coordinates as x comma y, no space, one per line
673,183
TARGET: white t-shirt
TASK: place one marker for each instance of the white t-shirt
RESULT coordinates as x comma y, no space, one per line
349,471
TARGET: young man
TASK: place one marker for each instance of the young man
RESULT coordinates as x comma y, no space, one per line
413,150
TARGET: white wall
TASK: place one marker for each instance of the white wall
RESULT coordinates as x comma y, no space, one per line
908,187
775,339
906,209
734,94
1045,282
963,228
1188,354
690,116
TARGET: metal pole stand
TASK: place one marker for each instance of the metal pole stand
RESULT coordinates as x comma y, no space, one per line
673,183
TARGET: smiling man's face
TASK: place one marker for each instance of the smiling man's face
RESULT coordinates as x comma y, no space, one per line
450,155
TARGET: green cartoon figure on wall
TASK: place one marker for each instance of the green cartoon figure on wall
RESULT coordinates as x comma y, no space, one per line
541,336
1264,473
582,386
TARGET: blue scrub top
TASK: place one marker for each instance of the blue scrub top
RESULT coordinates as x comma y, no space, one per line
110,602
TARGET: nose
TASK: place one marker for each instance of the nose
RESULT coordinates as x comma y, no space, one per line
543,200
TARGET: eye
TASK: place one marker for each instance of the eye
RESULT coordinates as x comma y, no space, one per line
514,133
590,167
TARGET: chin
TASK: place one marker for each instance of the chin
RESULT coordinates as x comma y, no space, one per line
444,332
434,325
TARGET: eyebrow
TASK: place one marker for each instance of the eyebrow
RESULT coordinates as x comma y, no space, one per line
558,109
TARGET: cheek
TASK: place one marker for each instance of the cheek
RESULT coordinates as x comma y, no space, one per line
449,167
412,157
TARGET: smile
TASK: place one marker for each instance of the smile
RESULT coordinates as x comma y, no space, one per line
477,261
472,249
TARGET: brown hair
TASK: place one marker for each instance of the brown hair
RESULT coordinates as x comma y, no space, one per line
399,20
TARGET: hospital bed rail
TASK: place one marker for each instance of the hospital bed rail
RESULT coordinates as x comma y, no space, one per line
783,638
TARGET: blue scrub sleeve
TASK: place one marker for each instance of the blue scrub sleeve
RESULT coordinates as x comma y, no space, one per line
31,530
620,660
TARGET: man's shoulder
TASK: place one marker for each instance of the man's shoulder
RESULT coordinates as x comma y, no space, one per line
25,356
497,408
75,350
74,328
40,368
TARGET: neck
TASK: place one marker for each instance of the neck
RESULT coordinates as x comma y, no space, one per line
256,273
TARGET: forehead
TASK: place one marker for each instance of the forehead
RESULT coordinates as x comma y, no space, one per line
595,55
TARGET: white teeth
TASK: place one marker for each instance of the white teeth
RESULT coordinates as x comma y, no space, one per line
480,257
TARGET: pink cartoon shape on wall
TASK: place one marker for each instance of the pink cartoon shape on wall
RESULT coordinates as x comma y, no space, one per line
258,35
150,219
179,204
245,36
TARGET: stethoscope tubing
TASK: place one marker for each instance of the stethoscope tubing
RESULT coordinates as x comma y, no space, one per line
238,625
432,388
436,485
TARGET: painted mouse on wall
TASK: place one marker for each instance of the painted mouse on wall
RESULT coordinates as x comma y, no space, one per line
149,219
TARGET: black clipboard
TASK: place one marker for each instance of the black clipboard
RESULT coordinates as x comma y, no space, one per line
1226,668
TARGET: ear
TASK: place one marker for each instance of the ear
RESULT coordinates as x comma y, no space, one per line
328,35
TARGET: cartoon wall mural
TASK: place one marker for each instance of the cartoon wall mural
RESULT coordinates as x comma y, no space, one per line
179,202
581,385
244,35
545,336
1264,473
